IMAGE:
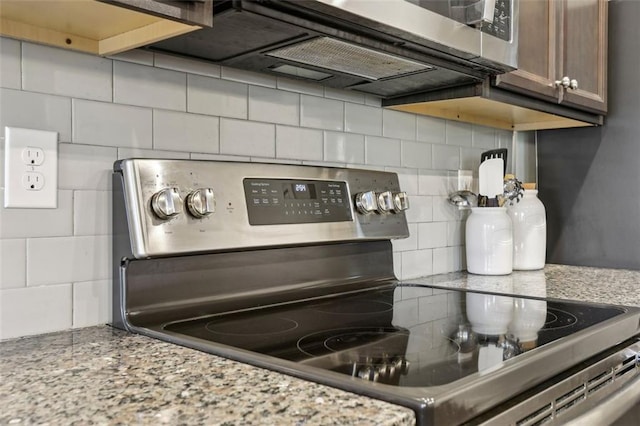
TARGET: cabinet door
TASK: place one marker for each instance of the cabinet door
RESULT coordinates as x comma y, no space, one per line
537,51
584,53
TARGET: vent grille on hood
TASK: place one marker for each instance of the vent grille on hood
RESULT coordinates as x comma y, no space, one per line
335,55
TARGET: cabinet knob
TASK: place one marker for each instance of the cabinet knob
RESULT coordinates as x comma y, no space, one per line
565,82
573,84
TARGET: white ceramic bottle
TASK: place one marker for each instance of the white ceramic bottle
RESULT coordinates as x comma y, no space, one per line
529,230
489,241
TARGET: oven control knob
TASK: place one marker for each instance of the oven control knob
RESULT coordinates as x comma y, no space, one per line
369,374
166,203
385,202
201,202
366,202
400,201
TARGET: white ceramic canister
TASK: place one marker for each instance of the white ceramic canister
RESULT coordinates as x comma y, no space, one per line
489,241
529,230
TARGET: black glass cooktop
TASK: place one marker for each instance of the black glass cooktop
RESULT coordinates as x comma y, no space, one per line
400,335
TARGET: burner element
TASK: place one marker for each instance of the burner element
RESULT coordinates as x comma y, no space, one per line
557,319
251,327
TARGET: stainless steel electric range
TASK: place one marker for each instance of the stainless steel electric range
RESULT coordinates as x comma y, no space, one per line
291,268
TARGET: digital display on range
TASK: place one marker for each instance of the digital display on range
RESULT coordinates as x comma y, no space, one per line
300,191
283,201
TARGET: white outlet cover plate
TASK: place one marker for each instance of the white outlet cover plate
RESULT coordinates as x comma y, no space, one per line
16,193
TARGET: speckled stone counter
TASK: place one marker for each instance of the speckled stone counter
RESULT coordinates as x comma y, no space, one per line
609,286
100,375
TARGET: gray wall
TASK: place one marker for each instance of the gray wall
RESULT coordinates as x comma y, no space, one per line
590,178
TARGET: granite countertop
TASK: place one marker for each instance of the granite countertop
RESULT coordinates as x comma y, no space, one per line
100,375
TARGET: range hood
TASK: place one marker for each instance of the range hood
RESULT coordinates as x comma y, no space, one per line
385,48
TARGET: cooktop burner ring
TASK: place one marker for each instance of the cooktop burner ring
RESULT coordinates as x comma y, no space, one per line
564,318
249,327
317,342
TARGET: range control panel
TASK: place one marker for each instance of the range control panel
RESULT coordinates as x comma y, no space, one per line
192,206
281,201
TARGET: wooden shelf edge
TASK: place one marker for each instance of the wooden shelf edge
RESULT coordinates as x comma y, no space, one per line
142,36
23,31
490,113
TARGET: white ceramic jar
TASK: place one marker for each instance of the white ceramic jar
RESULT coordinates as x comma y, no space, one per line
529,231
489,241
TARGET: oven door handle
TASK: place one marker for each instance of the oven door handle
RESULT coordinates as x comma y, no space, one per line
612,407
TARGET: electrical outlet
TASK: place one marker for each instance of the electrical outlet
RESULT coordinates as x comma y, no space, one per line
32,181
31,168
32,156
465,180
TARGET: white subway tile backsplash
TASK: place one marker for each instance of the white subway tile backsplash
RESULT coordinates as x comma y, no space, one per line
431,129
274,106
344,95
470,158
35,111
455,233
298,143
10,63
212,96
321,113
136,56
362,119
298,86
421,209
218,157
85,166
382,151
443,211
150,153
35,310
65,72
343,147
91,303
484,137
13,263
408,179
445,157
28,223
416,155
192,66
447,259
101,123
248,77
247,138
92,213
407,244
397,124
434,182
432,235
174,130
458,134
146,86
372,101
418,263
68,259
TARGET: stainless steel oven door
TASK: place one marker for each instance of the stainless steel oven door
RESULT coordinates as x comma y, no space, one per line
621,408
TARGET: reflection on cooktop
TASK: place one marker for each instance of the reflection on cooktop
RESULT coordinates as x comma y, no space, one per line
404,335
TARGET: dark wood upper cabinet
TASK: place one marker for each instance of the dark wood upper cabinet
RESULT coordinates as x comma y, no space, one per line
562,40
